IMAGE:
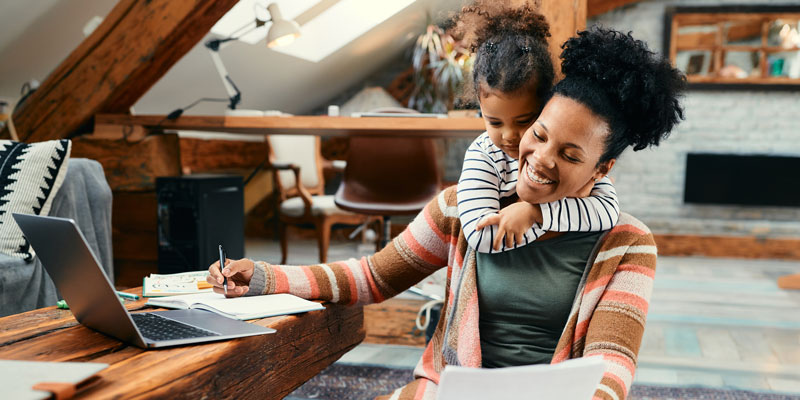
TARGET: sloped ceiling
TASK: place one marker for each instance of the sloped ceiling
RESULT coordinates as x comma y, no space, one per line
35,36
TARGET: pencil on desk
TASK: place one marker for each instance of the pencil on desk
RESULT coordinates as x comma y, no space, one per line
127,295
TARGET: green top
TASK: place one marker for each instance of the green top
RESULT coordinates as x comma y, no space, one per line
525,296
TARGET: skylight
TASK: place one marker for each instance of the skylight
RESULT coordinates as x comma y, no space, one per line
327,32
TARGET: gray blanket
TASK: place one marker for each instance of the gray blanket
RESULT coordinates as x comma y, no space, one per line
84,197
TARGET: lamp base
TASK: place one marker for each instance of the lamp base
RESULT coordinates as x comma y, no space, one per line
243,113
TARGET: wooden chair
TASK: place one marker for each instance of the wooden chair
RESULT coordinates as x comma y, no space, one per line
301,197
388,176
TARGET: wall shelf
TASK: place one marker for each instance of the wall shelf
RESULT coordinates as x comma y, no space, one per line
735,47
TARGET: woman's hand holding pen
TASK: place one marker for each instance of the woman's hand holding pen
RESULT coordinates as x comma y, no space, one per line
238,272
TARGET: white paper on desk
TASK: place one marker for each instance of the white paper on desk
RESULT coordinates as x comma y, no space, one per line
18,377
569,380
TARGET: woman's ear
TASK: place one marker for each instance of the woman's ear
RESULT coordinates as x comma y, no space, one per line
604,168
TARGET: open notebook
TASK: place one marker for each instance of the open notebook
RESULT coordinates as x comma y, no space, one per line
157,285
239,307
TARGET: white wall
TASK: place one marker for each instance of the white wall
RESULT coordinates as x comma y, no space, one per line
650,182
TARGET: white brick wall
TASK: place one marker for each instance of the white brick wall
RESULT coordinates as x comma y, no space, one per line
650,182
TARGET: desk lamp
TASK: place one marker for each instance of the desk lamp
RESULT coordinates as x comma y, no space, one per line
281,33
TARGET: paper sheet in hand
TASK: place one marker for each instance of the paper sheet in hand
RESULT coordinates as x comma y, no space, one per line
570,380
243,308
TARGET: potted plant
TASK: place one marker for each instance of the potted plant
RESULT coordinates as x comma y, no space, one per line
439,63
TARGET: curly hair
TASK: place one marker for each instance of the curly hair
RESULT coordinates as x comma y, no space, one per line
622,81
510,47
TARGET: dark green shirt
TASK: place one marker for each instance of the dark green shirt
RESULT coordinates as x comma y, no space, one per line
525,296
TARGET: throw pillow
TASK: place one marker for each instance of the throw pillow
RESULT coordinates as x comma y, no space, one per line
30,176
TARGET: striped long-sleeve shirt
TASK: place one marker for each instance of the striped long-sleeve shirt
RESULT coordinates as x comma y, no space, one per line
490,174
607,317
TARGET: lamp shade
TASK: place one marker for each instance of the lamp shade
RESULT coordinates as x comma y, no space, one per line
282,31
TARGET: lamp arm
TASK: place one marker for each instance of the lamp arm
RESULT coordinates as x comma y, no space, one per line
234,94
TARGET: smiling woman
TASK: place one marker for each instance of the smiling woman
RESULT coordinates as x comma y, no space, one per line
560,156
581,294
615,94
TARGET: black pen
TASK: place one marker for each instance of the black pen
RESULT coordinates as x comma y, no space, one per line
222,265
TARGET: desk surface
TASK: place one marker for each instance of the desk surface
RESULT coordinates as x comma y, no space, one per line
267,366
307,125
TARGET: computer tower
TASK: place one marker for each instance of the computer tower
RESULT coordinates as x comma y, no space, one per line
197,213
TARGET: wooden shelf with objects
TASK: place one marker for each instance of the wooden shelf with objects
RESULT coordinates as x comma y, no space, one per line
735,47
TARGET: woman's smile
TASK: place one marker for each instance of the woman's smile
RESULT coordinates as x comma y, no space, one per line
558,154
537,177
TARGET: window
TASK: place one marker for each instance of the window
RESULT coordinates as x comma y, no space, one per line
736,46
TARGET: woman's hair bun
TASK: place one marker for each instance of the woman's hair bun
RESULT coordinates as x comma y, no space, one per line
641,90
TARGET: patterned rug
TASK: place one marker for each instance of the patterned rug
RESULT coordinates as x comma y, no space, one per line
357,382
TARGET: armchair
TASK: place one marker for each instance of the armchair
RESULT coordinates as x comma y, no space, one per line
298,180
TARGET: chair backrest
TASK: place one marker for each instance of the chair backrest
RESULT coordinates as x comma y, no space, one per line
303,151
389,175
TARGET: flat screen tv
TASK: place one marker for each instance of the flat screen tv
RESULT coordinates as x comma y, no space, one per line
748,180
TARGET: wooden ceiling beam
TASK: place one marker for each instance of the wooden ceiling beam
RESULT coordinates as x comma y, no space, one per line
597,7
137,43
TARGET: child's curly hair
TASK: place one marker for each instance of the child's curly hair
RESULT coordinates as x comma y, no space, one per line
510,47
621,80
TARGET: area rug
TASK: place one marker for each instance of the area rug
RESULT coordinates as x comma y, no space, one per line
357,382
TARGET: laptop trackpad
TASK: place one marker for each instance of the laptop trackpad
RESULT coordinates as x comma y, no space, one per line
213,322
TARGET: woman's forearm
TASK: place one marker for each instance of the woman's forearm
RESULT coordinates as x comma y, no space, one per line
416,253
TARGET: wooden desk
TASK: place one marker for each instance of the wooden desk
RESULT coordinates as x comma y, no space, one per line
267,366
302,125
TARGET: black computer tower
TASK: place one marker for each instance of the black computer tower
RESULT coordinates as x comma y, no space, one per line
197,213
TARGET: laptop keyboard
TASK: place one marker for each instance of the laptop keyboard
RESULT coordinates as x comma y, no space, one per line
157,328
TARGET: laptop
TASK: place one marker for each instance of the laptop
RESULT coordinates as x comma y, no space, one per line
77,274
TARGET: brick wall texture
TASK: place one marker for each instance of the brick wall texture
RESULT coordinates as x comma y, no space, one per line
650,182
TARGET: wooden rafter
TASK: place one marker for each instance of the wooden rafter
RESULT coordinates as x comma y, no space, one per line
597,7
110,70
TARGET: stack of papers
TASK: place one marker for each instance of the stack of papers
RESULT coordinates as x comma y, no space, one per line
174,284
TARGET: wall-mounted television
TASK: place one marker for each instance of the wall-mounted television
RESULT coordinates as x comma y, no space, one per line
748,180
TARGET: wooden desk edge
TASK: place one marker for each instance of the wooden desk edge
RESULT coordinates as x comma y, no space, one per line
309,342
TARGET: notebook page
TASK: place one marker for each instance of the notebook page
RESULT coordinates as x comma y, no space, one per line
261,306
184,300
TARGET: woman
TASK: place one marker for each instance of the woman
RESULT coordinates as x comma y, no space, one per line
561,297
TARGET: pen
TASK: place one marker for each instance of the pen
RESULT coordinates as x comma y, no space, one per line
127,295
221,265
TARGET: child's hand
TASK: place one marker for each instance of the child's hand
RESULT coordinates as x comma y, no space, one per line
512,223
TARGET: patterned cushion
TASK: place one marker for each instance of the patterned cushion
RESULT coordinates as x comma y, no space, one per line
30,175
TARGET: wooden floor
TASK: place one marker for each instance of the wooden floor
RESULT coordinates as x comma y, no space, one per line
713,322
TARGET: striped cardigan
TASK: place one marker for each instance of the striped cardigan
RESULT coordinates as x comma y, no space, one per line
607,318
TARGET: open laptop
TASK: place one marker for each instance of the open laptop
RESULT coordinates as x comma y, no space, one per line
77,274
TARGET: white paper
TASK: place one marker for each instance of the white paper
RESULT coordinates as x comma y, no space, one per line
18,377
569,380
249,307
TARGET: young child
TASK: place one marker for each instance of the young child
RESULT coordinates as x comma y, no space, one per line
512,77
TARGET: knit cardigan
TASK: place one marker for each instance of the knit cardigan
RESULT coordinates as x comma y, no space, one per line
606,320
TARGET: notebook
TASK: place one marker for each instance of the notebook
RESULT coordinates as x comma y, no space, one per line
175,284
243,308
572,379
